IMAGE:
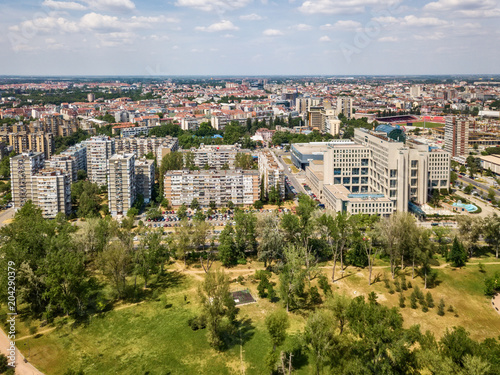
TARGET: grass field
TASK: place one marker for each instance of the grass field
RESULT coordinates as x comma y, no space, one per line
153,337
428,124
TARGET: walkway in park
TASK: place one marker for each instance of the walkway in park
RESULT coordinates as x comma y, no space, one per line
22,367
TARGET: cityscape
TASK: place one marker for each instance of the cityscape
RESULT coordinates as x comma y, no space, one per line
239,187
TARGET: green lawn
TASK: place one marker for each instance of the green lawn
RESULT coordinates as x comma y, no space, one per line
153,337
428,124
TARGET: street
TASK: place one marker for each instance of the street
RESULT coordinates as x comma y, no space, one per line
6,215
484,187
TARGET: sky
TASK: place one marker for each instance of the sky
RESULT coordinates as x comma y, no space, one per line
249,37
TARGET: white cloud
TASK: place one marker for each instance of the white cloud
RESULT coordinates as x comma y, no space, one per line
272,32
63,5
159,37
390,39
96,21
445,5
251,17
47,24
325,38
466,8
432,36
302,27
116,39
223,25
342,6
342,25
213,5
111,5
423,21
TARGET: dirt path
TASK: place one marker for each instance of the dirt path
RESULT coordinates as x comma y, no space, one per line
495,302
22,367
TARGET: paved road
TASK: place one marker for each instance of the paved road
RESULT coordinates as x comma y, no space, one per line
6,215
484,187
22,367
292,177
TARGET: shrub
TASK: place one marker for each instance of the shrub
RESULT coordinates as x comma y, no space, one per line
397,286
314,296
413,300
404,286
324,284
197,322
429,300
402,300
441,307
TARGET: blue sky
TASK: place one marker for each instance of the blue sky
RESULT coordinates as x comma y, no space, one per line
249,37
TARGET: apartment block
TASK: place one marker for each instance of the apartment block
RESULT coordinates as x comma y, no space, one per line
220,186
215,156
271,172
121,183
52,192
144,178
140,146
344,106
99,151
456,135
63,162
79,153
22,168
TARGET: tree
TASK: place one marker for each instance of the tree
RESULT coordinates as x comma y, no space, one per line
277,323
228,252
271,237
194,204
456,344
469,230
217,304
245,232
457,256
292,278
182,212
5,165
150,256
441,306
258,204
116,263
492,232
133,212
321,340
81,175
182,240
86,195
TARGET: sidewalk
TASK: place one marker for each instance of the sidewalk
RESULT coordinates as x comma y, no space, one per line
22,367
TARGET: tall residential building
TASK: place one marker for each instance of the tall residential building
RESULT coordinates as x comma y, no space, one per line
52,192
220,186
315,118
65,163
271,172
144,178
456,135
344,106
79,153
121,183
22,168
215,156
99,151
141,146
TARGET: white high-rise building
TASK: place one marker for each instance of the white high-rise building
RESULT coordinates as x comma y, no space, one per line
144,178
456,135
52,192
121,183
99,151
22,168
344,106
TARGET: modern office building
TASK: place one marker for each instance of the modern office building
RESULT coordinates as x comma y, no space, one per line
271,172
456,135
378,171
220,186
304,153
22,168
51,189
144,178
99,151
65,163
121,183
